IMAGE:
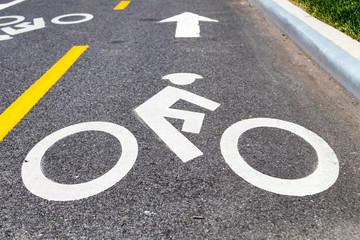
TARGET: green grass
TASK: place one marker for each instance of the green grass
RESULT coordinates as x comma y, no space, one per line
341,14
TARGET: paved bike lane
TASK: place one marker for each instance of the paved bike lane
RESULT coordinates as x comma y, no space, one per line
243,65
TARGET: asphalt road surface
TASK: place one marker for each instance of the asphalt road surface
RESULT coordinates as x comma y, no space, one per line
156,126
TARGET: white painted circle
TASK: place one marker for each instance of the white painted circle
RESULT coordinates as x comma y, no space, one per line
86,17
17,20
321,179
37,183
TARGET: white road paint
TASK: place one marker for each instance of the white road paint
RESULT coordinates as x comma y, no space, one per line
37,183
187,24
17,20
9,4
85,17
38,23
24,27
182,78
5,37
321,179
154,111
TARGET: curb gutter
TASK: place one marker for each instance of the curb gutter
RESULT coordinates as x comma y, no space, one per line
340,64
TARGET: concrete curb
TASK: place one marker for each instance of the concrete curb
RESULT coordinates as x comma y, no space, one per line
336,61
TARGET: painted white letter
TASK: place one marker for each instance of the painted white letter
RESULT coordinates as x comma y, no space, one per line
17,20
25,27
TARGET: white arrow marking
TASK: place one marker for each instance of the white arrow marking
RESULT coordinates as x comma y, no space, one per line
6,5
188,24
25,27
154,111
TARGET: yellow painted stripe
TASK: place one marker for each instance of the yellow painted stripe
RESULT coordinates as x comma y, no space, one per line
13,114
122,5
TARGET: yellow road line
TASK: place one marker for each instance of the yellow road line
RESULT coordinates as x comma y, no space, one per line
122,5
13,114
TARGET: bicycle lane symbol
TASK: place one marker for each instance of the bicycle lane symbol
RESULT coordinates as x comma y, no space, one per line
154,111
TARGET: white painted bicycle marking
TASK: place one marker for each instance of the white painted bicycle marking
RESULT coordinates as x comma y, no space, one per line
37,183
321,179
154,111
85,17
182,78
